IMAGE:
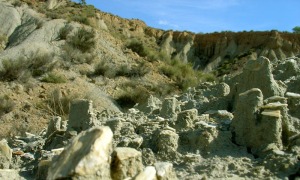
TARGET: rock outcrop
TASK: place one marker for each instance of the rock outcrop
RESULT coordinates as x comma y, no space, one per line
126,163
81,116
246,126
87,157
5,155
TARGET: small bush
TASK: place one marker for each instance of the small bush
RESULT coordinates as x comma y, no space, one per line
17,3
132,93
13,69
110,71
102,68
81,19
183,74
83,39
54,78
138,47
53,15
296,29
40,62
36,64
64,32
6,104
72,54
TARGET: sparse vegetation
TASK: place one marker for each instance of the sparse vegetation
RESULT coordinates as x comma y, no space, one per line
142,50
58,104
54,78
183,74
83,40
138,47
103,68
6,104
36,64
83,2
133,93
64,32
40,62
72,55
13,69
72,12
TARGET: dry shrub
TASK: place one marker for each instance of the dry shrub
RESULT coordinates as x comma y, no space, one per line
72,55
6,104
36,64
54,78
58,104
83,40
183,74
132,93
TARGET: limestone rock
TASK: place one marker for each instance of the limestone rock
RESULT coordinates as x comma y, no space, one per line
81,115
148,157
269,130
126,163
169,108
149,173
87,157
215,90
293,104
43,167
10,174
221,116
185,119
258,74
244,121
151,105
5,155
294,84
254,129
286,70
124,133
167,140
10,19
280,103
167,144
55,124
165,171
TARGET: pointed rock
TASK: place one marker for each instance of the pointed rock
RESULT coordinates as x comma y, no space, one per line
87,157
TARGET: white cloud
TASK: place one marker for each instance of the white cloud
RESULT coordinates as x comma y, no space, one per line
167,24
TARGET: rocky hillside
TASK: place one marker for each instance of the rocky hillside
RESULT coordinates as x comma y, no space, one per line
85,94
246,127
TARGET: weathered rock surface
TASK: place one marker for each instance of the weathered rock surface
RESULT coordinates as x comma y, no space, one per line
149,173
185,119
169,107
81,116
52,4
87,157
5,155
258,74
10,174
165,171
10,19
244,121
126,163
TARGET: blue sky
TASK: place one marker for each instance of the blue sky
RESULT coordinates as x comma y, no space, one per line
208,15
